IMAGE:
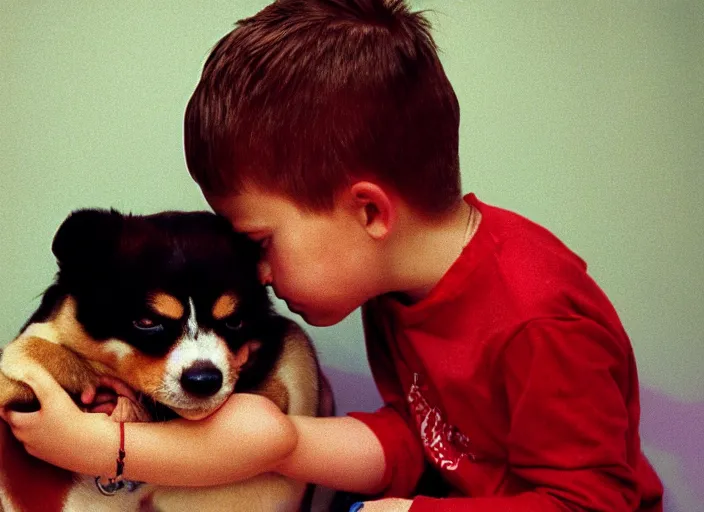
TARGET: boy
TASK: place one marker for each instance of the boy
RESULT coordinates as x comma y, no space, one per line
328,132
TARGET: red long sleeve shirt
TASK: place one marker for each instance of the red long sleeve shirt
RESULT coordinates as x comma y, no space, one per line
513,379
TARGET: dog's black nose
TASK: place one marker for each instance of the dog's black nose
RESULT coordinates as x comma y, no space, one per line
202,379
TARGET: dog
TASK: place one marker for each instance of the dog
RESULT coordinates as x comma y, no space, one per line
171,305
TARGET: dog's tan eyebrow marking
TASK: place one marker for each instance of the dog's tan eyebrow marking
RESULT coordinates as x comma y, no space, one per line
166,305
224,306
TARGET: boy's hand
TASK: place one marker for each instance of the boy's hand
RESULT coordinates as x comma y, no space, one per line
385,505
103,397
59,432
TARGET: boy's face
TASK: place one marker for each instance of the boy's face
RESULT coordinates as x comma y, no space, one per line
320,264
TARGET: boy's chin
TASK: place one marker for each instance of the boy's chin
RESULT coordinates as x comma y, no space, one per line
325,319
320,323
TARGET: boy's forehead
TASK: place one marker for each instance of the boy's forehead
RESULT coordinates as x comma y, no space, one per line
248,209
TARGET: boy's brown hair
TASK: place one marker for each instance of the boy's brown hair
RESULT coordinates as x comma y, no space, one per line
308,95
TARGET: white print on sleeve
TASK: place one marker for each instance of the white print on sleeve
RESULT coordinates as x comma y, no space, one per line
444,444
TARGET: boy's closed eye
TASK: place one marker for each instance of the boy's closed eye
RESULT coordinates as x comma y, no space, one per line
261,239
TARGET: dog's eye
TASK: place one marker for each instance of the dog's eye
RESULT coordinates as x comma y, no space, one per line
148,325
233,323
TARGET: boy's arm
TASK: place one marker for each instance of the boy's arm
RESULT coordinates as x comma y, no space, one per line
246,436
402,451
340,453
366,453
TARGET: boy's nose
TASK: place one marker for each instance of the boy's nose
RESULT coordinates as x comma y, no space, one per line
265,273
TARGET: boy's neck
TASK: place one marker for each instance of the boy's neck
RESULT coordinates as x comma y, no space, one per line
424,251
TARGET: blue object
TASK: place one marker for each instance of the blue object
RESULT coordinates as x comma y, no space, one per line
356,506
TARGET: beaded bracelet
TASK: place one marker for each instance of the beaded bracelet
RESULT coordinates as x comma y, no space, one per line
116,483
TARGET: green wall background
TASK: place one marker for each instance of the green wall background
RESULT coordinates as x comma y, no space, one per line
587,117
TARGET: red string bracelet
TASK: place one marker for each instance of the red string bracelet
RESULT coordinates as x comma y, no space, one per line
116,483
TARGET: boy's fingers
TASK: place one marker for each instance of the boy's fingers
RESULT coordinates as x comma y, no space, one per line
88,394
19,419
118,386
43,384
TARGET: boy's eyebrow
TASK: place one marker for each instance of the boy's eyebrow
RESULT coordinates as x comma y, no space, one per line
253,232
248,229
245,224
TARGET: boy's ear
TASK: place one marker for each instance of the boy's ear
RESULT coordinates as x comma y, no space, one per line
374,208
86,235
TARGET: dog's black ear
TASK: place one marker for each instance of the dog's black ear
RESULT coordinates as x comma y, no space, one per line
85,235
